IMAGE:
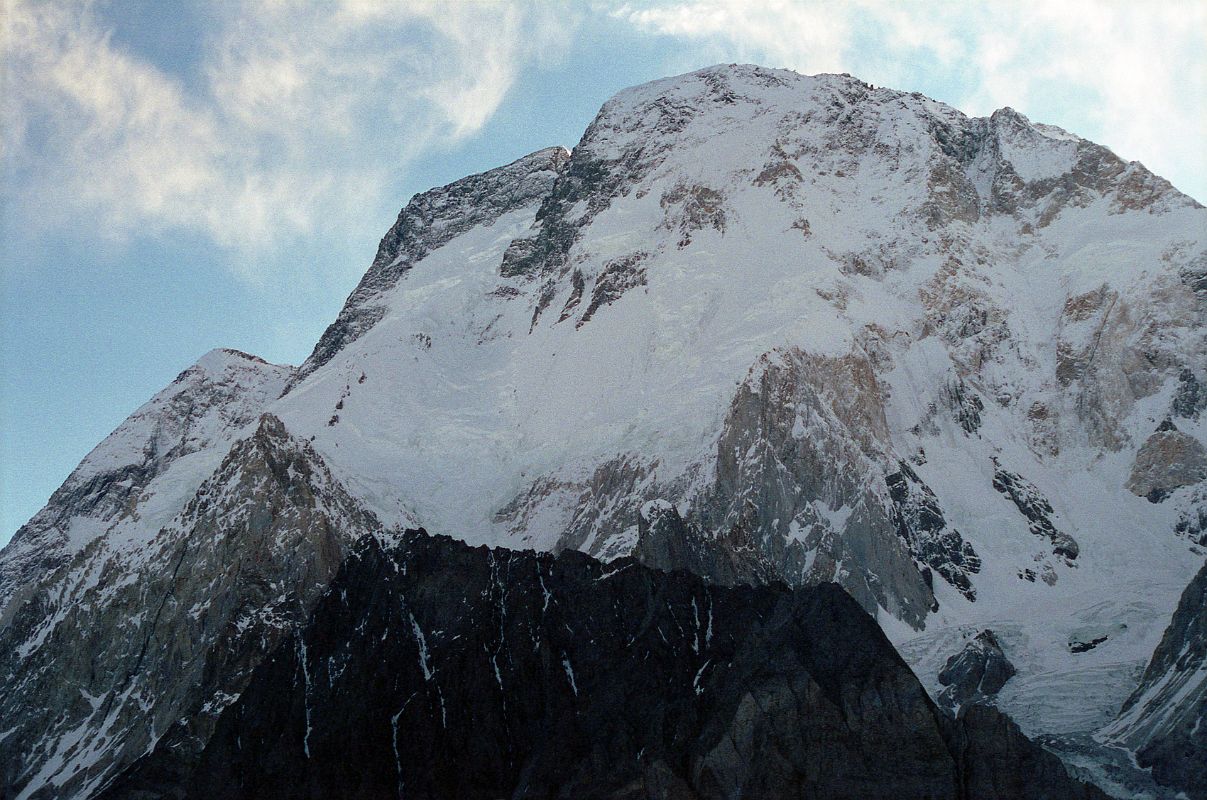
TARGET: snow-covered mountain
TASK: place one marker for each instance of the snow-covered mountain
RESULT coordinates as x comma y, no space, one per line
144,472
756,325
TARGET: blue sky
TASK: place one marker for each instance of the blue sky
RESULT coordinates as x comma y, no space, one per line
218,174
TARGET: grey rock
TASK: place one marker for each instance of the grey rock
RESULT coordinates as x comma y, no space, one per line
1192,519
1191,397
206,403
966,405
805,490
1032,504
142,648
976,673
1165,719
617,277
1168,460
666,542
807,434
921,524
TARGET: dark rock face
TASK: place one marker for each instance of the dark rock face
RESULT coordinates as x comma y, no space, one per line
999,761
1190,398
1035,507
546,248
965,405
975,673
1167,714
920,523
430,220
1192,523
617,277
438,670
666,542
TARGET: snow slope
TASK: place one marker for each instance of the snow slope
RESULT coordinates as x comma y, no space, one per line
771,326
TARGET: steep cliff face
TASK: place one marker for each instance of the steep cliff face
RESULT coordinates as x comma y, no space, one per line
432,669
1165,719
757,325
114,651
145,471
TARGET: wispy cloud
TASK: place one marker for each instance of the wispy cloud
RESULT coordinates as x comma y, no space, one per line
1132,76
298,117
300,113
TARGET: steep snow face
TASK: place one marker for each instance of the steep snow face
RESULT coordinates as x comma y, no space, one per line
144,472
1022,300
1001,310
768,326
429,221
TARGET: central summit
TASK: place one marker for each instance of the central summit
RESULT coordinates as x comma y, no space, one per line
757,326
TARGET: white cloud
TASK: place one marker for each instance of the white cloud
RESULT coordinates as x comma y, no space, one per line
299,118
811,37
1132,76
1135,72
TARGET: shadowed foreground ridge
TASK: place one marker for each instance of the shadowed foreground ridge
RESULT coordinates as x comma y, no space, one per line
1167,711
436,670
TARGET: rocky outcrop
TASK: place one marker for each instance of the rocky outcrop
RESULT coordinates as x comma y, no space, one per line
437,670
803,489
689,209
1192,520
975,674
617,277
1190,398
195,416
797,464
116,654
1114,349
1165,719
1168,460
666,542
922,526
1032,504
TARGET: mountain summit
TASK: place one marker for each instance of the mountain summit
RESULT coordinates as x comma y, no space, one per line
758,326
